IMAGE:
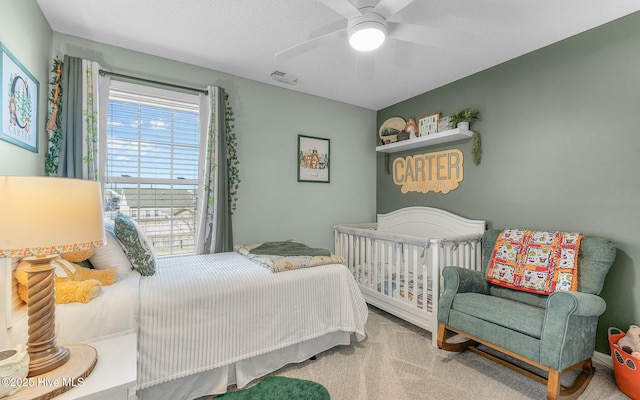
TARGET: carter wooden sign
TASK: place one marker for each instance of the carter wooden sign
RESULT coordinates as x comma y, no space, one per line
440,171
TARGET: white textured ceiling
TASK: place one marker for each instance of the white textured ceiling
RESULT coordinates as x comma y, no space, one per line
240,37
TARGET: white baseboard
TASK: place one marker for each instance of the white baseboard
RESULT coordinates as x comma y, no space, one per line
601,358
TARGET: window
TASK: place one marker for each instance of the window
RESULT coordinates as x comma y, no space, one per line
151,163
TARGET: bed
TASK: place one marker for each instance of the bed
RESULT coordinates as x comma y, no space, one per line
205,322
397,261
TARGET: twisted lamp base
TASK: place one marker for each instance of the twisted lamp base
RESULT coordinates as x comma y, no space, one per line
57,368
44,354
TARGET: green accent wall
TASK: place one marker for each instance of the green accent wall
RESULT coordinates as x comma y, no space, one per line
561,150
27,35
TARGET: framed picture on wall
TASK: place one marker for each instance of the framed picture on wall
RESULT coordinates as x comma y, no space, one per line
428,124
313,159
18,103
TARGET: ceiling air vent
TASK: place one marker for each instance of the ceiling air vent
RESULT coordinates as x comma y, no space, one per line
284,77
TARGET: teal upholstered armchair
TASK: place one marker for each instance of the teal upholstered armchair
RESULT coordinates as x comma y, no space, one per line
554,333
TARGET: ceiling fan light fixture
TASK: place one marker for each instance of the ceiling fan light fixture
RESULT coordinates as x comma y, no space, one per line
367,39
368,32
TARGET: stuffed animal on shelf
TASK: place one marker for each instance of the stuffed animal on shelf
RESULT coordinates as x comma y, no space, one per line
631,341
411,128
74,283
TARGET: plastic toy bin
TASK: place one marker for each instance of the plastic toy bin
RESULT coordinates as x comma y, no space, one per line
626,368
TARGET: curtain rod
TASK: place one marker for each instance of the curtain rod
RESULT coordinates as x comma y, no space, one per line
103,73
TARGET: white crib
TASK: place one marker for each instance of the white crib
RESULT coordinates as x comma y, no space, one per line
397,261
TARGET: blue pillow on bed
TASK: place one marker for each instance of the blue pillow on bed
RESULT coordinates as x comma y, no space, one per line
136,245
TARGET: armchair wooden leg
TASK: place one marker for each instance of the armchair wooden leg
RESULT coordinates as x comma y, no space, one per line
555,391
442,340
553,385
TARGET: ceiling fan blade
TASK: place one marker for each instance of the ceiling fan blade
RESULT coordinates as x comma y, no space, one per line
387,8
404,52
310,44
342,7
426,35
365,65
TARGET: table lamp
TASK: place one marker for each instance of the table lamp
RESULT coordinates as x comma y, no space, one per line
40,218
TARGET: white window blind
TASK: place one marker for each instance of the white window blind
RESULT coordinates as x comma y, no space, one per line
151,167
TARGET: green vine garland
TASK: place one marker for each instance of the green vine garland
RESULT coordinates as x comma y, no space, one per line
91,139
55,120
476,148
232,155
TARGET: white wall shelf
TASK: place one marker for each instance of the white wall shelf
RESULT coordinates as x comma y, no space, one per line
423,141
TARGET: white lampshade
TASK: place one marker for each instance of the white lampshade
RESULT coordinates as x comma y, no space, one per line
45,215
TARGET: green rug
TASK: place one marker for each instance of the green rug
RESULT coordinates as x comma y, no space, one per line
280,388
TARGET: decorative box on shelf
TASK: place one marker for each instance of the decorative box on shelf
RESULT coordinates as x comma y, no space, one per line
424,141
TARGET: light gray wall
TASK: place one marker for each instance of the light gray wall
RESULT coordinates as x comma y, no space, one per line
561,150
272,204
27,35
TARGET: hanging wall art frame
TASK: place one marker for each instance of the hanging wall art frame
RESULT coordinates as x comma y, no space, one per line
313,159
18,103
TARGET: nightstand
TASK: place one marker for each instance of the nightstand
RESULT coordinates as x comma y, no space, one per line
115,374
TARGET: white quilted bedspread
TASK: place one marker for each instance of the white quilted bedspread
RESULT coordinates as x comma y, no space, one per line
205,311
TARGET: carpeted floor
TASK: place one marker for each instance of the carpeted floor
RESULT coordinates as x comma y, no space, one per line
397,361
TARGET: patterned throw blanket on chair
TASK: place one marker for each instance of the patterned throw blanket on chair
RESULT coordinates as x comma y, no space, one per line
535,261
287,255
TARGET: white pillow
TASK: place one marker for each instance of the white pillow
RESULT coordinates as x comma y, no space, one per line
111,254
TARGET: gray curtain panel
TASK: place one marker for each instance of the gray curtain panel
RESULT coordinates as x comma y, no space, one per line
224,231
70,162
215,233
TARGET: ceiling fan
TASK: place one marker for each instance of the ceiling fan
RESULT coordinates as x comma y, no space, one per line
368,26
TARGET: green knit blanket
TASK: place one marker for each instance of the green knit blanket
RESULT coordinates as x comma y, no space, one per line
288,249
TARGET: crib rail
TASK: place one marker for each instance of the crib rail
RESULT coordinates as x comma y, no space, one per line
401,274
